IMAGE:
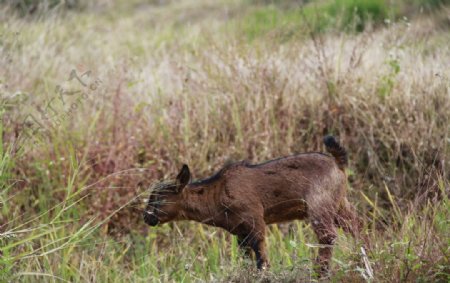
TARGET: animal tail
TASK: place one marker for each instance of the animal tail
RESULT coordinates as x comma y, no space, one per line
339,153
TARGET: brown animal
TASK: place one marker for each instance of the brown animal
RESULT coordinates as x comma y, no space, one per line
243,198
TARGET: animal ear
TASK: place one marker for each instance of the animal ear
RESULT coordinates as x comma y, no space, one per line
183,177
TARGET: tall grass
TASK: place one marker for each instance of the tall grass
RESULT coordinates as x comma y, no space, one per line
188,83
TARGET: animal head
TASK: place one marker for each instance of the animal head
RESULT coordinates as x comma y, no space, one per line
165,201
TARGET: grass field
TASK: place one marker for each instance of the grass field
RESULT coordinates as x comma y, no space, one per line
99,100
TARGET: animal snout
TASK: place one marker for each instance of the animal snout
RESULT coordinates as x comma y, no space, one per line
150,218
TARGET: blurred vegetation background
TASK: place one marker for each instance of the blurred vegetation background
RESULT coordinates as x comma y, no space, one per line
100,99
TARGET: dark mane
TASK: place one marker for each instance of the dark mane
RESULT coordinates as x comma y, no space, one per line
208,180
218,174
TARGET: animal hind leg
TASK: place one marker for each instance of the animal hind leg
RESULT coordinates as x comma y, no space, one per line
347,219
323,226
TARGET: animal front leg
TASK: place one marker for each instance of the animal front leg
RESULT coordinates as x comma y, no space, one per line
255,240
261,255
257,243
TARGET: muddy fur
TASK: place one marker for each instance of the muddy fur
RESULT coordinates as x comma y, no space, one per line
243,198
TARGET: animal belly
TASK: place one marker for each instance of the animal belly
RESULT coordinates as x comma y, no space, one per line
286,210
